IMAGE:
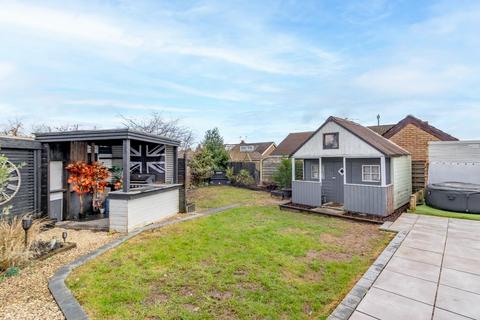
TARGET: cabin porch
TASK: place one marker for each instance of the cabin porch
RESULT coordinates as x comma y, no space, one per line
354,184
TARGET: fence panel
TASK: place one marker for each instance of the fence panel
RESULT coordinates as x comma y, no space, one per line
25,155
249,166
419,175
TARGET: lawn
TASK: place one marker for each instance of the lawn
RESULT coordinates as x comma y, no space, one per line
250,262
424,209
221,196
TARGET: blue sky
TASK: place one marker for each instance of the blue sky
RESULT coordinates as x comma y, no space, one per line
255,69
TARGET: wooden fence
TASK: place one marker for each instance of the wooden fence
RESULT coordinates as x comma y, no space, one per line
25,155
249,166
269,167
419,175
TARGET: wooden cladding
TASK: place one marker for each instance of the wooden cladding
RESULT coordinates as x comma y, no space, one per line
78,151
419,175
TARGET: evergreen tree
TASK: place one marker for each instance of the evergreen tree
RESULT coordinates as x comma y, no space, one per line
283,175
202,166
213,143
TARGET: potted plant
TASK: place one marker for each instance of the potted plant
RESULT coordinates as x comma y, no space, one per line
99,175
88,178
80,182
117,177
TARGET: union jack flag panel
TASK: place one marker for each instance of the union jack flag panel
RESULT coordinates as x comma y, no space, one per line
148,158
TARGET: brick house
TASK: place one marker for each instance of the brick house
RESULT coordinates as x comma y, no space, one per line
284,150
414,135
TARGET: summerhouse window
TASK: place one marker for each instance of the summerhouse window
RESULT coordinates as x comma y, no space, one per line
314,171
330,140
371,173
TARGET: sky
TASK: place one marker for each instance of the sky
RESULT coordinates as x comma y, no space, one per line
257,70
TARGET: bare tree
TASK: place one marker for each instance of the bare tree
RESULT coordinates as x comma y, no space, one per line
13,127
58,128
157,124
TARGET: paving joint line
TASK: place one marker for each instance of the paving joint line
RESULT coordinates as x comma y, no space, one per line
458,314
446,285
406,245
369,315
473,274
409,275
441,269
429,264
410,259
401,295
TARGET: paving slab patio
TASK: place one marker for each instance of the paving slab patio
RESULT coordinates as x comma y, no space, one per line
434,274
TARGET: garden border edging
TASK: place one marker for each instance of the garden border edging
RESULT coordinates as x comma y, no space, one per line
68,304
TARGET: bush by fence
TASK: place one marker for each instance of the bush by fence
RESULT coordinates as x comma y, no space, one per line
250,167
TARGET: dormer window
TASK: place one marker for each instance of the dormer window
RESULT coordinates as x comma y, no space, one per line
330,140
247,148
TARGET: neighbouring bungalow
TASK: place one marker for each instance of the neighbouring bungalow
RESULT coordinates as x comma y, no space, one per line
253,152
414,135
349,166
250,152
284,150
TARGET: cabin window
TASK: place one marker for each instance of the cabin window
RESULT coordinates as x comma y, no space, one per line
330,140
246,148
314,171
371,173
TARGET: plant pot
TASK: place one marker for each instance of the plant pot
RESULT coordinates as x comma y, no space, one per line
190,207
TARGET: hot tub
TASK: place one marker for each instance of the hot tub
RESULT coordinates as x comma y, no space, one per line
454,196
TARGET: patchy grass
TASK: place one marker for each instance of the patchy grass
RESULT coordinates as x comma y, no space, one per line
253,262
221,196
424,209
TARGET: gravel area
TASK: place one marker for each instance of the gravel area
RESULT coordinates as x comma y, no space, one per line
26,296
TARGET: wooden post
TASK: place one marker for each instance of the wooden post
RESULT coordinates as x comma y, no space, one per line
413,202
383,171
92,154
126,165
320,169
293,169
175,164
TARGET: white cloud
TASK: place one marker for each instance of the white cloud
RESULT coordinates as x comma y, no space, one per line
367,12
68,24
6,70
232,95
413,79
459,21
268,55
125,105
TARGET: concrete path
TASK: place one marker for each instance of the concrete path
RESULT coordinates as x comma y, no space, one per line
435,273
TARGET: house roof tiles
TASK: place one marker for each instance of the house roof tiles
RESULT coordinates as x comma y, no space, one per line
288,146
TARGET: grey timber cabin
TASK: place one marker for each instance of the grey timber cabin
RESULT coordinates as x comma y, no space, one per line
149,165
348,165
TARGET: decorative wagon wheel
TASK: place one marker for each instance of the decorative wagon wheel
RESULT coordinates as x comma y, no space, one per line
11,186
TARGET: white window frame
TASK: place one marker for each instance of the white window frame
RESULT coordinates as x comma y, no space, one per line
247,148
314,173
368,176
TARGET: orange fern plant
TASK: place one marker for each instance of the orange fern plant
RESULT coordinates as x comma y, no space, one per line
87,178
